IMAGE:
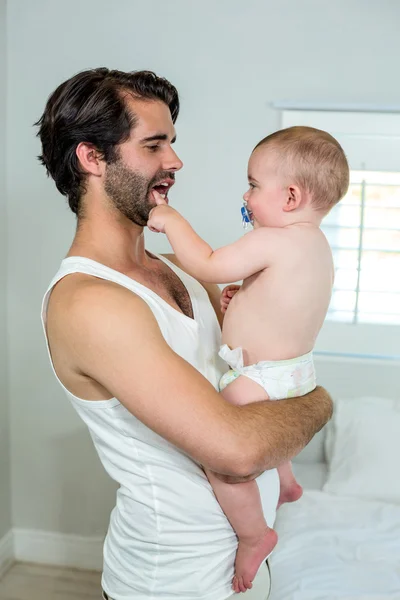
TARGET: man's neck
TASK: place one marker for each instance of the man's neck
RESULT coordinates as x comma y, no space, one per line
111,240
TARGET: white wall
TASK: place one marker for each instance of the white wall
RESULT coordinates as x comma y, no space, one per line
5,489
229,60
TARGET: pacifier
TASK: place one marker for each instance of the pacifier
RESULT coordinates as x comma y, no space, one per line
247,217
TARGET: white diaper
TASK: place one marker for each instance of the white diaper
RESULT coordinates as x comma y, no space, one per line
279,378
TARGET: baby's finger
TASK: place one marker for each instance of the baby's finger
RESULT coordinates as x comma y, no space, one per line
158,198
226,289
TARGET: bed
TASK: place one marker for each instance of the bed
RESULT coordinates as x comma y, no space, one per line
341,540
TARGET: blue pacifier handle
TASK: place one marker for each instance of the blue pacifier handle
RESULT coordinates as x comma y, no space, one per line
245,215
246,218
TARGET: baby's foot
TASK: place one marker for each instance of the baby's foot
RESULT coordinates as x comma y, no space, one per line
250,554
290,493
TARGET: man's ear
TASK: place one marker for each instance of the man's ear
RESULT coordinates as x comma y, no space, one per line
294,198
90,159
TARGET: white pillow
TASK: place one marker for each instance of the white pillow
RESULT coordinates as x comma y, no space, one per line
363,449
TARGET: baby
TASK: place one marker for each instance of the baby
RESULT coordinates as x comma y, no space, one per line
296,176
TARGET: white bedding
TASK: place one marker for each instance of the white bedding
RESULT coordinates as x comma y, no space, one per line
310,476
335,547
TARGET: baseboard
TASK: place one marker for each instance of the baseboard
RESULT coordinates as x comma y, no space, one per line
6,552
58,549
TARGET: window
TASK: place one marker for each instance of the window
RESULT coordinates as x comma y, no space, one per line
364,233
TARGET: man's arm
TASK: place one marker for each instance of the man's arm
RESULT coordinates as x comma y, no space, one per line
118,344
292,427
250,254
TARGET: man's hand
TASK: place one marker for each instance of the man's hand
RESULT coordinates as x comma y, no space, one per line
160,214
226,296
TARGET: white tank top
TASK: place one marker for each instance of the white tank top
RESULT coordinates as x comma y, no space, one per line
168,536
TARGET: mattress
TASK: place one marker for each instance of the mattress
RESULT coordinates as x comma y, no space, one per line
336,548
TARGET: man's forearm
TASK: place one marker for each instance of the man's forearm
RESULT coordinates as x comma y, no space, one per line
280,429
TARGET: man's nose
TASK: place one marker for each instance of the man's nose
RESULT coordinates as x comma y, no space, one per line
172,161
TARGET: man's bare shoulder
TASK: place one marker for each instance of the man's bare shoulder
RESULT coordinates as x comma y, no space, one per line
77,289
80,301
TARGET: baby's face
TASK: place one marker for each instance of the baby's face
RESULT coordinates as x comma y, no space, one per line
267,192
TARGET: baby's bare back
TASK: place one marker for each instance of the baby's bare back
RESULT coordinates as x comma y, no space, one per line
278,312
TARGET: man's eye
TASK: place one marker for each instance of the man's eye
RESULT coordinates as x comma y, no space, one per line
153,148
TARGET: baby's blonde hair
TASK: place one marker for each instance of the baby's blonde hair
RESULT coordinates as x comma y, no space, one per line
314,160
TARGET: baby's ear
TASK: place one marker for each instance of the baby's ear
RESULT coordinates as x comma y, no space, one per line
295,197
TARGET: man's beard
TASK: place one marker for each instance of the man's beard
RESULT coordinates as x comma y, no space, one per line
130,191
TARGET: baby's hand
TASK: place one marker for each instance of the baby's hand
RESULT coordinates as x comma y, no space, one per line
159,214
227,295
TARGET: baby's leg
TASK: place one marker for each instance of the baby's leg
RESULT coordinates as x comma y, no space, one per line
242,504
290,489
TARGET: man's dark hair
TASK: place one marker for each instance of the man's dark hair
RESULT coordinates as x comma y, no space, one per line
90,107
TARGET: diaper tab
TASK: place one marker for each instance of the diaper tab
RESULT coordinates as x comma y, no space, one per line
234,357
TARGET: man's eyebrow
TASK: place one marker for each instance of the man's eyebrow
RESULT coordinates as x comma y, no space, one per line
161,137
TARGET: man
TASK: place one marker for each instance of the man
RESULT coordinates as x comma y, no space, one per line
133,340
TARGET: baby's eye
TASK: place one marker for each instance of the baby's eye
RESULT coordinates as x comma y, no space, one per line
252,186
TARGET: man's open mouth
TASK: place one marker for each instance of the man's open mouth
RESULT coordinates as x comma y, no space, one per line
163,187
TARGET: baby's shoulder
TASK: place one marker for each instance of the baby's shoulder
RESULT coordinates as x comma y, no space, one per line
307,235
309,247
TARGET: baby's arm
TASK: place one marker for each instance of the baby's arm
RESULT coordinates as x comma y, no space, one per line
250,254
